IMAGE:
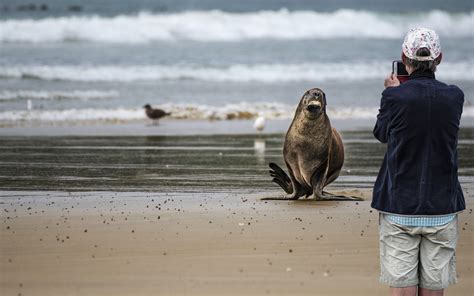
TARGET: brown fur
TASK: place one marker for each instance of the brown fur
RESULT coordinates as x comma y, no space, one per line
313,151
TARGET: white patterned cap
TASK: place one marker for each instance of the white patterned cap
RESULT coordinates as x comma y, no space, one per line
418,38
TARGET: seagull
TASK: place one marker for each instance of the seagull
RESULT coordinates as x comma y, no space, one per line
155,114
259,123
29,105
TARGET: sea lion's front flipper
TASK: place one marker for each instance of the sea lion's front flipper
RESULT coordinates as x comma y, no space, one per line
318,181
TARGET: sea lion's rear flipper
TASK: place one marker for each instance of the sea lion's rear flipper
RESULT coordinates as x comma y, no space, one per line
279,171
281,178
290,185
329,196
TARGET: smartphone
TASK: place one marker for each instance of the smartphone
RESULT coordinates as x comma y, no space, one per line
398,68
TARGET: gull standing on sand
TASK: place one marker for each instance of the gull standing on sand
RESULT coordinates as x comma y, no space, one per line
259,123
155,114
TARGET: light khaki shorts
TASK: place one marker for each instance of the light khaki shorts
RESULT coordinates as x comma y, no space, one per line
417,256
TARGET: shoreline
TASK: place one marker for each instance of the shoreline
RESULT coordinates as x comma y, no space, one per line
167,127
178,127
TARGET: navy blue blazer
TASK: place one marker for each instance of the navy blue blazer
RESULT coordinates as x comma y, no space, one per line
419,121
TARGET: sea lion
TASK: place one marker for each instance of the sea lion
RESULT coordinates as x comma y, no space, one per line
313,152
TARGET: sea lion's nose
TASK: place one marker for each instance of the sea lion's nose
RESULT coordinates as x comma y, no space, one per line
313,108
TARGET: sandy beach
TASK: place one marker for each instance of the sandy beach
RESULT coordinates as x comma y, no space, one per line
230,243
182,215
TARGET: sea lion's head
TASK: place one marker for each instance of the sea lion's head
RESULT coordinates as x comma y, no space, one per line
313,103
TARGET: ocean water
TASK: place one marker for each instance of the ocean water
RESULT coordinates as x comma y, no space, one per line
102,61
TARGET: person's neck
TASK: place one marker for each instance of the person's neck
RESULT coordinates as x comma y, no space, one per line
422,73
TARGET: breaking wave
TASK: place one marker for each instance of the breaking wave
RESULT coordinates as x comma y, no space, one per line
238,73
223,26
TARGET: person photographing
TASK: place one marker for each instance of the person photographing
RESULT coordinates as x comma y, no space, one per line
417,190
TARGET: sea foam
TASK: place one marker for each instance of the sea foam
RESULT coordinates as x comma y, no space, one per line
224,26
244,110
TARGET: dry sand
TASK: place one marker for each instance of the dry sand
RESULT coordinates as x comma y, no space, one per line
105,243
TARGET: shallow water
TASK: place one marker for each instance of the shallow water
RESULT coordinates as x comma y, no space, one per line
185,163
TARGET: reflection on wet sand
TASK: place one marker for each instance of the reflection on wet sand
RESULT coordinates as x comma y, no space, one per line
259,147
155,163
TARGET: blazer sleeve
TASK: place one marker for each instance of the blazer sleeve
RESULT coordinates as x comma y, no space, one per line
382,126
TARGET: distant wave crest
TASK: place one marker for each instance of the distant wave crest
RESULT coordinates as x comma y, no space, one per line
268,73
83,95
223,26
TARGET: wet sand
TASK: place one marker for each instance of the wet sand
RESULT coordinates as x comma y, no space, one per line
182,215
